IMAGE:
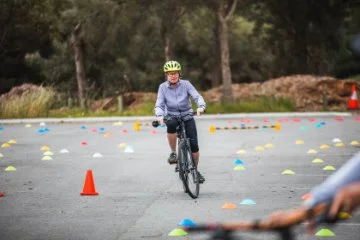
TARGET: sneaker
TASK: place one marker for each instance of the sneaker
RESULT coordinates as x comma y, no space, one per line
172,158
201,178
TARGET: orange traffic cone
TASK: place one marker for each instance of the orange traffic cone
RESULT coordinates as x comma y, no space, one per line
89,186
353,101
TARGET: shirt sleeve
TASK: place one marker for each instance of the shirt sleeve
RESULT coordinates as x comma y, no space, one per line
160,103
199,100
325,192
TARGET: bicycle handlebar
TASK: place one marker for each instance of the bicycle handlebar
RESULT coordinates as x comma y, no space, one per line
262,225
156,123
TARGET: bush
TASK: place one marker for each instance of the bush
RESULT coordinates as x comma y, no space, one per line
27,101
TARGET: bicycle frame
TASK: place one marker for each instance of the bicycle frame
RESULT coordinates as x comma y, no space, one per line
183,141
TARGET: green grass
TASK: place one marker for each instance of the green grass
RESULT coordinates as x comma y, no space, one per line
261,104
29,105
145,110
38,104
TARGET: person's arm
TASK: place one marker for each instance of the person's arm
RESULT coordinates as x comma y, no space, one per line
347,199
342,187
347,174
199,100
160,103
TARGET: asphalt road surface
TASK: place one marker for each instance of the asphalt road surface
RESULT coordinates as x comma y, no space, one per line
140,195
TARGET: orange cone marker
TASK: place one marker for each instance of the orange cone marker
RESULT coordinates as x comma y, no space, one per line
229,206
353,101
89,186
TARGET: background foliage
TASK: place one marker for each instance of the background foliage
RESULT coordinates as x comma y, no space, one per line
124,41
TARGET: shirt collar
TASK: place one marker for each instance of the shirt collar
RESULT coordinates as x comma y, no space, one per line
168,83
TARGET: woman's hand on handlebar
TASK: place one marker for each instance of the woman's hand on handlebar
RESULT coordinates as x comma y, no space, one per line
347,199
160,119
199,111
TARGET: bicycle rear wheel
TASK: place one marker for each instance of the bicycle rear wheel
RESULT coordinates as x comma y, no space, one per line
191,174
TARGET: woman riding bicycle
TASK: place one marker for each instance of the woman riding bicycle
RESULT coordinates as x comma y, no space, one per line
173,98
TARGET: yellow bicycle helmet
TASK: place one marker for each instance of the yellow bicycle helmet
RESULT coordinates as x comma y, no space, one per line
171,66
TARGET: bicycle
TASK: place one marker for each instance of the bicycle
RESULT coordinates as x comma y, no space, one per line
225,231
186,166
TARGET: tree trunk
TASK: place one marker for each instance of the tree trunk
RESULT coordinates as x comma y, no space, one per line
224,51
216,69
78,43
167,47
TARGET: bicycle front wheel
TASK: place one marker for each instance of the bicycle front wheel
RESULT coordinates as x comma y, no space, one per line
191,174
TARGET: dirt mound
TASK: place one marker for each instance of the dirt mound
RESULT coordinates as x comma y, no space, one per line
309,93
21,90
132,100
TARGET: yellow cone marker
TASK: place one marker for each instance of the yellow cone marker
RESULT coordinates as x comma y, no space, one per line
312,151
28,125
178,232
259,148
136,126
299,142
212,129
10,169
340,144
288,172
48,153
329,168
12,141
5,145
325,232
122,145
241,151
344,215
269,145
44,148
324,146
277,127
317,160
47,158
354,143
239,168
1,156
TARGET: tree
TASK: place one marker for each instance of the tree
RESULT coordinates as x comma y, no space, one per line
170,13
26,27
223,13
305,36
77,41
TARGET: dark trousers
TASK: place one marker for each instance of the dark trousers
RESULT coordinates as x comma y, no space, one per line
191,131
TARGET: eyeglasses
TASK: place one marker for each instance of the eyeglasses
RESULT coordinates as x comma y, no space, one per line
172,73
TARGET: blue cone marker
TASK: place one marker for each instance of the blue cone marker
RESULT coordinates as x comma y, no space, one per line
238,162
247,202
187,223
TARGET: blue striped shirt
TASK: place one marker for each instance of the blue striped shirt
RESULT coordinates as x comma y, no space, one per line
176,100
